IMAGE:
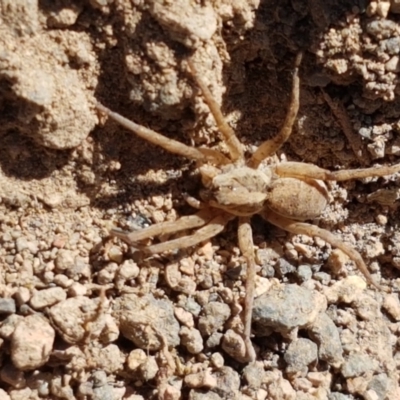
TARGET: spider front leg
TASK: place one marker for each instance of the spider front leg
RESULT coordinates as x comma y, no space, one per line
231,140
271,146
173,146
302,228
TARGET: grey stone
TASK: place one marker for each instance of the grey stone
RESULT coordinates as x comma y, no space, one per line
390,46
192,306
214,340
7,306
196,394
146,321
284,308
380,385
99,379
228,383
284,267
356,365
382,28
339,396
214,317
103,393
322,277
325,333
300,354
304,272
254,375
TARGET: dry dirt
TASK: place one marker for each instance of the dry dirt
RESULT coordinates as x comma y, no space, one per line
82,317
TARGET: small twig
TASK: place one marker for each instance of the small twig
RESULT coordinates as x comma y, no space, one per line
355,141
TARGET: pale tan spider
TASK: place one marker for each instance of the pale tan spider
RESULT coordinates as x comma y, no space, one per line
283,194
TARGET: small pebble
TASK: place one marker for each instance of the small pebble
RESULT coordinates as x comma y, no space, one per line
391,304
128,270
47,297
254,375
7,306
380,384
217,360
149,368
115,254
23,243
135,359
300,353
284,267
285,307
8,325
213,318
31,342
357,365
304,272
22,295
143,319
325,333
191,339
214,340
234,345
203,379
184,317
65,260
77,289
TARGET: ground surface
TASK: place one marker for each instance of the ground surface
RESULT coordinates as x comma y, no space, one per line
82,317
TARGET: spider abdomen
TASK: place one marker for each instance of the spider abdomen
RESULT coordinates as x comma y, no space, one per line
297,199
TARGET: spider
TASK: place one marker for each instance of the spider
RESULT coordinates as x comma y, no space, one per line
284,194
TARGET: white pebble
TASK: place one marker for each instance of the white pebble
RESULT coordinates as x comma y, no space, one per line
47,297
392,306
31,342
23,243
203,379
184,317
191,339
217,360
22,295
128,270
65,260
77,289
135,359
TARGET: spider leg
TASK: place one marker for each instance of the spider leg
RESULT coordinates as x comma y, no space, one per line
302,170
183,223
302,228
173,146
214,224
271,146
246,246
213,228
231,140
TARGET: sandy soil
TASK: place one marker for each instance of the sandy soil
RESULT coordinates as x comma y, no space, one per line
84,318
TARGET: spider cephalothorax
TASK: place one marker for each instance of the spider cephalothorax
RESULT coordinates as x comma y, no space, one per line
241,191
